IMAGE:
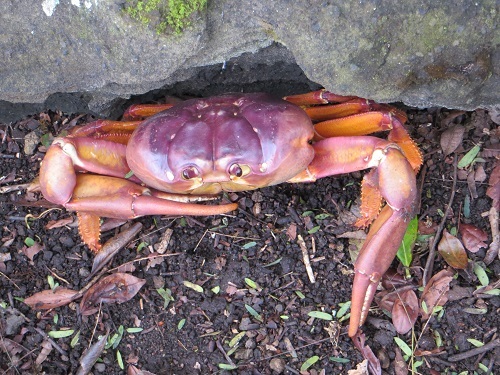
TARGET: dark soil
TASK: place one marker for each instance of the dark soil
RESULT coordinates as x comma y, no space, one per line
257,243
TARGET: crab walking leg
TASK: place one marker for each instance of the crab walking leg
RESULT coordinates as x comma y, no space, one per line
106,129
396,183
317,97
372,122
57,172
97,196
139,111
122,199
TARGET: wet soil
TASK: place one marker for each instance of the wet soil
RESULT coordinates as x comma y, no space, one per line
227,255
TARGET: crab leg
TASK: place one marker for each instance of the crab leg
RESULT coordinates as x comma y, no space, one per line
116,131
140,111
317,97
393,179
356,116
93,196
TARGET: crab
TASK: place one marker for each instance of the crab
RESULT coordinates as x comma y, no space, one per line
161,158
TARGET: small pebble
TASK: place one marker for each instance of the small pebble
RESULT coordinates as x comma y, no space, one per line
277,364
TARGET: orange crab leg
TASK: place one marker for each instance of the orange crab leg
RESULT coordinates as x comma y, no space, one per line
115,131
372,122
57,172
329,112
351,107
121,199
317,97
139,111
95,196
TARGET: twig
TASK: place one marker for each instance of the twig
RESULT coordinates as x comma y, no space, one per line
53,343
432,251
11,188
305,258
7,277
471,353
219,346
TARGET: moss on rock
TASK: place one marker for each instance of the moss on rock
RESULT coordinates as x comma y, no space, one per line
163,15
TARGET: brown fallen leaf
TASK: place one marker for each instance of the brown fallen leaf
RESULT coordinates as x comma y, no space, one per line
292,231
91,355
435,292
493,190
405,312
49,299
112,246
11,347
367,353
386,298
132,370
473,237
31,251
115,288
451,139
427,227
480,174
153,261
393,280
44,353
452,251
52,224
400,366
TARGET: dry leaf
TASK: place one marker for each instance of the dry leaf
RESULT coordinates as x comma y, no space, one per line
393,280
367,353
473,237
452,251
480,174
435,292
112,246
494,189
31,251
405,312
132,370
427,227
292,231
154,260
451,139
400,366
49,299
11,347
220,263
492,150
59,223
44,353
471,184
361,369
115,288
91,355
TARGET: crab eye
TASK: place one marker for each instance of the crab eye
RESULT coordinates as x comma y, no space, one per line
235,170
190,173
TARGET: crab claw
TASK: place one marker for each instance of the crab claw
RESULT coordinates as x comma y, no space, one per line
397,184
393,179
374,259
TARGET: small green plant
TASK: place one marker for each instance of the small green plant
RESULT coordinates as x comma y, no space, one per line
164,14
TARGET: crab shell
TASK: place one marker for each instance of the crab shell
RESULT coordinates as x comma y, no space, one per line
232,142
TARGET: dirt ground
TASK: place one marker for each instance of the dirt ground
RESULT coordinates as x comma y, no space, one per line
250,258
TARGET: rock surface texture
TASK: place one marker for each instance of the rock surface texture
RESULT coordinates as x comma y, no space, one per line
79,55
